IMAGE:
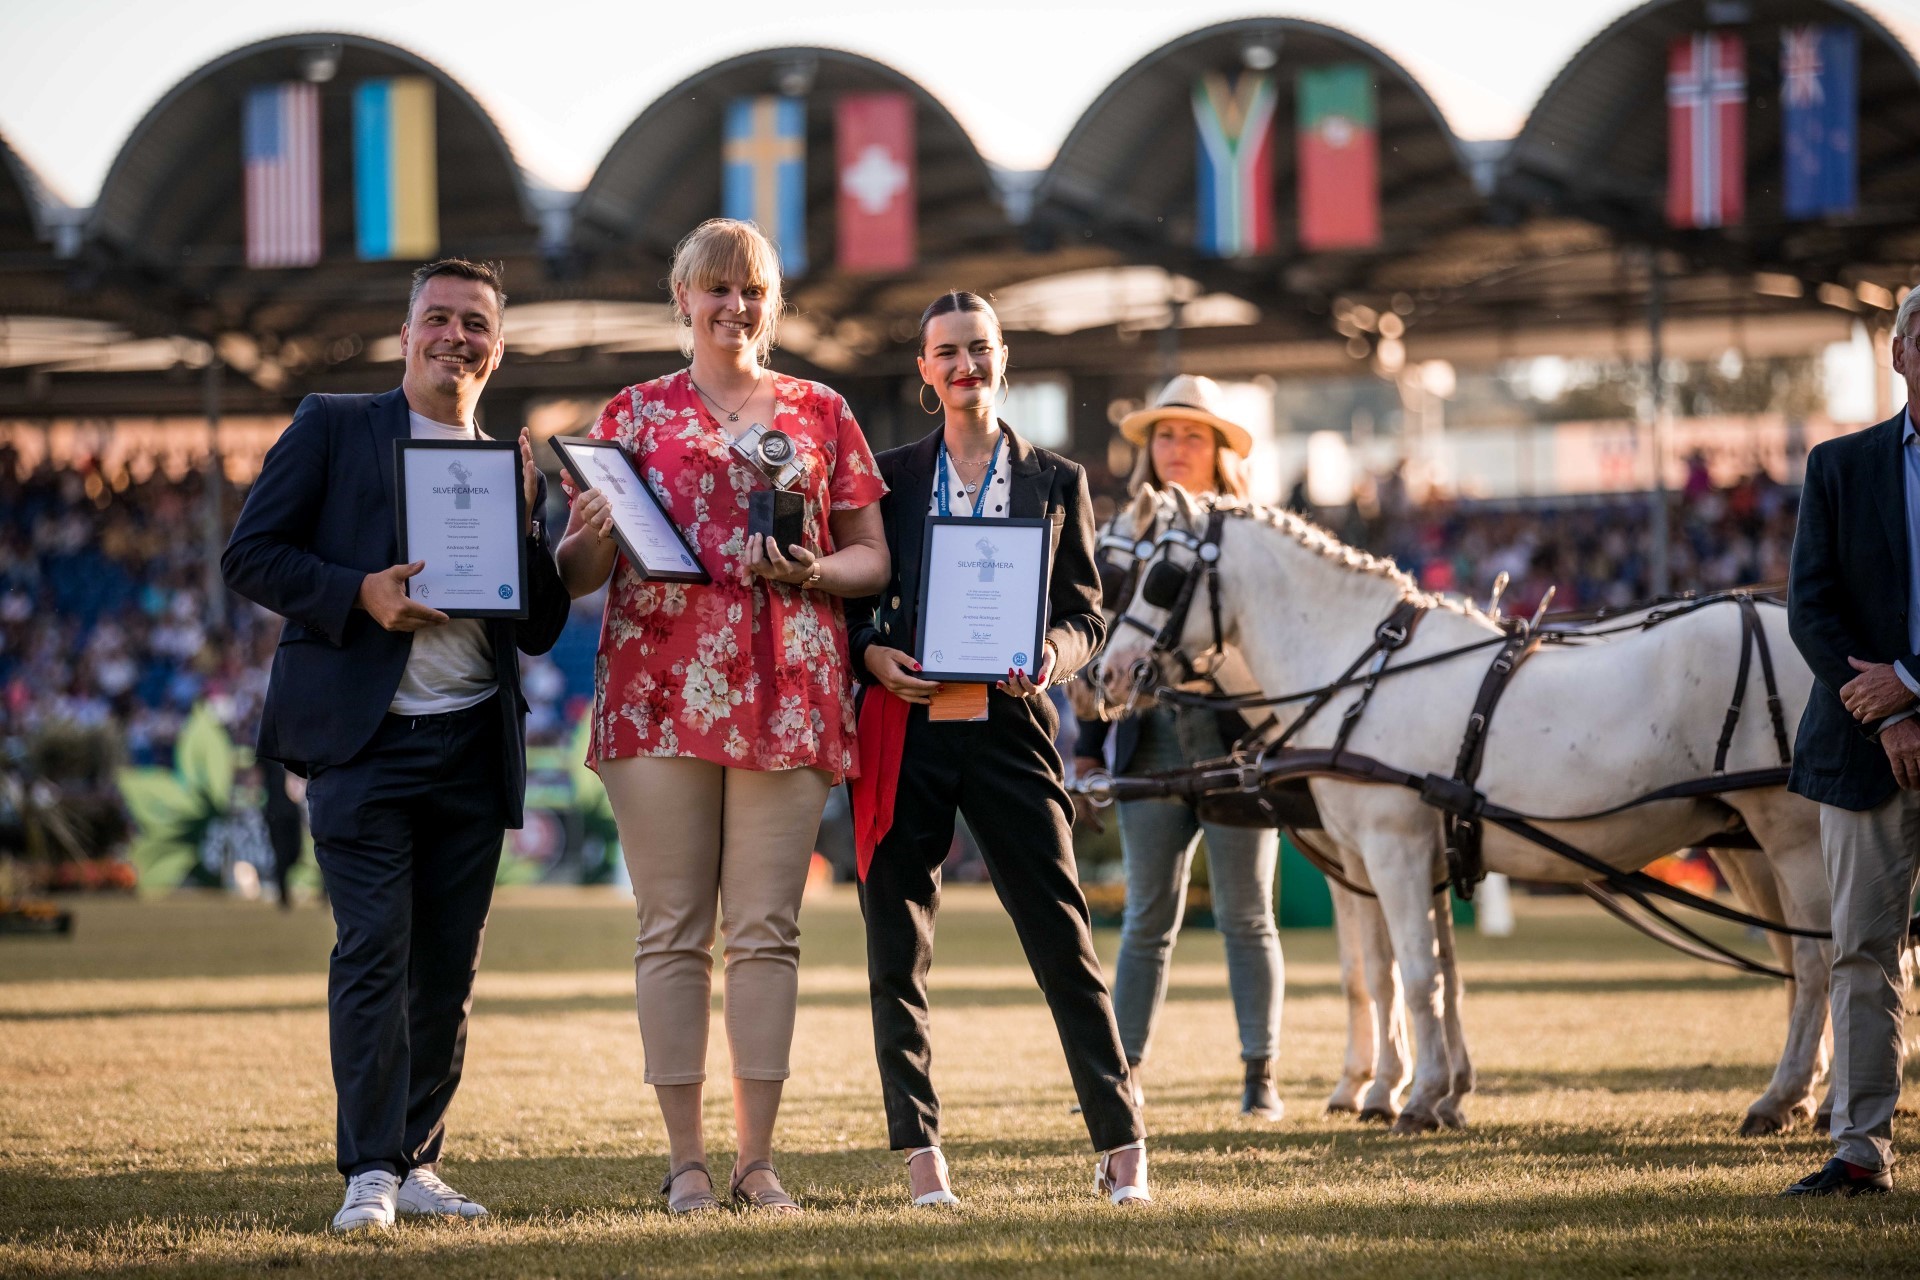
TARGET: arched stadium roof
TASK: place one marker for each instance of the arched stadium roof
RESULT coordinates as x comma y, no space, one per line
171,212
1595,145
34,282
24,233
1125,175
1488,249
662,175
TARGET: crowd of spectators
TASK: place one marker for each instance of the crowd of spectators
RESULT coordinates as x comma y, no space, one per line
104,615
1595,552
105,618
103,606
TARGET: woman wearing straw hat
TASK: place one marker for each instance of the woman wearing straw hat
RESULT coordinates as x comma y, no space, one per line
1186,439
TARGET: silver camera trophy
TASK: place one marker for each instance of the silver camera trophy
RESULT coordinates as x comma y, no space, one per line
780,512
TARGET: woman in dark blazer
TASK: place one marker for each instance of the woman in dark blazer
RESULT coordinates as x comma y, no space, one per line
1000,770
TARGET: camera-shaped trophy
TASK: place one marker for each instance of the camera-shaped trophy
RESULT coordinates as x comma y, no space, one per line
780,512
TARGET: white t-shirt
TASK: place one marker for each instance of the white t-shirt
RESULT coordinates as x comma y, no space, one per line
450,667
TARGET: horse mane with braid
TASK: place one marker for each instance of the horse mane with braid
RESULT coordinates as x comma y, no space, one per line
1325,545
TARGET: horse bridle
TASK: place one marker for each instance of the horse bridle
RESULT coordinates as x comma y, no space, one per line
1117,581
1172,587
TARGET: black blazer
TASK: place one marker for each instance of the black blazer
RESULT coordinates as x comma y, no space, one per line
317,521
1042,485
1847,597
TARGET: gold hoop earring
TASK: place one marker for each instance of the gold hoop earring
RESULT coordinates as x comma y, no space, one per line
922,398
1006,389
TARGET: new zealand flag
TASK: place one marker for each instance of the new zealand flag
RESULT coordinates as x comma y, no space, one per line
1820,77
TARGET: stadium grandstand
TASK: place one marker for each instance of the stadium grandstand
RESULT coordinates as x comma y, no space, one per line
1517,355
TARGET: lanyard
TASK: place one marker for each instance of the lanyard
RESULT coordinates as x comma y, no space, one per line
986,482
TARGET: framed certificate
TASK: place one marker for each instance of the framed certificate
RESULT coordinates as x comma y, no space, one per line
983,597
460,507
653,544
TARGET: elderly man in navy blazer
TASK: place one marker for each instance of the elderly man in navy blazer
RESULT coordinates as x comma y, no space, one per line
1854,609
410,728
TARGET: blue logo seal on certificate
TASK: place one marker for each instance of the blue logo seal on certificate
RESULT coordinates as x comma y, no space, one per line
506,592
1020,659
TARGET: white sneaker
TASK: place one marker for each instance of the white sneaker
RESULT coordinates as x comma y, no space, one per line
423,1195
369,1203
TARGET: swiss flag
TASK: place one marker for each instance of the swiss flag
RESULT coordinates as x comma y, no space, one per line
874,155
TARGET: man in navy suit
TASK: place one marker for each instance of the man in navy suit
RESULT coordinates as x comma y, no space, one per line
1854,609
410,728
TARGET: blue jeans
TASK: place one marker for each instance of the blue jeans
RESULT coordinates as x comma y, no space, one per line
1157,840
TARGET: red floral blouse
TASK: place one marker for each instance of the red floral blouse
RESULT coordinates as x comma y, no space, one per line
743,672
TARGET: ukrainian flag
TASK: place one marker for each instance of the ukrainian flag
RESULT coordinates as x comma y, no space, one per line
395,175
764,172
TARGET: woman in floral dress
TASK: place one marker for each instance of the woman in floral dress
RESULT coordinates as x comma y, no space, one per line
723,712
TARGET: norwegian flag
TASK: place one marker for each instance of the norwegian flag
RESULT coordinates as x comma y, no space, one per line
1706,130
281,152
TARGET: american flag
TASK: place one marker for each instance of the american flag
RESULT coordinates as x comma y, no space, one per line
1706,130
282,153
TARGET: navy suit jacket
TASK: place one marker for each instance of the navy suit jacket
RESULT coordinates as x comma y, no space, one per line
1847,597
318,520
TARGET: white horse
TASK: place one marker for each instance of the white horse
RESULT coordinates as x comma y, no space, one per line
1580,728
1376,1068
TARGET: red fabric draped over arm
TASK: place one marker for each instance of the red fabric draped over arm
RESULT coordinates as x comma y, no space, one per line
883,739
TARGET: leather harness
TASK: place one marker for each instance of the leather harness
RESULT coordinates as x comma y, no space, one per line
1264,777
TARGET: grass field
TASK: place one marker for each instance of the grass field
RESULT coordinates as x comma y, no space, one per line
165,1110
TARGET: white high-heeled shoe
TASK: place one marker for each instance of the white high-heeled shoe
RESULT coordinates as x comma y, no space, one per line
1132,1193
939,1195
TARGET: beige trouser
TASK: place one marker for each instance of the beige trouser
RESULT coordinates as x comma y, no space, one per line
1873,858
694,832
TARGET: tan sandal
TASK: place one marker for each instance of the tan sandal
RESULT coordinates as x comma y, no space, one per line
775,1199
702,1202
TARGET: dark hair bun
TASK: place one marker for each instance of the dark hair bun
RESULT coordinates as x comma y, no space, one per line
948,303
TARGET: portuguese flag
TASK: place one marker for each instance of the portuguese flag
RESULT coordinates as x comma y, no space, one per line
1339,159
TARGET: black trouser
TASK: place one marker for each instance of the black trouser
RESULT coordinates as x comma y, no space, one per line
1003,774
408,834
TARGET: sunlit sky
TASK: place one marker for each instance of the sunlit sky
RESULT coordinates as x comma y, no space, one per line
564,77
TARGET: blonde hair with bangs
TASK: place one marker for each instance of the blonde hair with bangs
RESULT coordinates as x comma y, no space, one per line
722,250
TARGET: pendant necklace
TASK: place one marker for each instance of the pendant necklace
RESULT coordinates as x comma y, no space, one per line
733,414
966,490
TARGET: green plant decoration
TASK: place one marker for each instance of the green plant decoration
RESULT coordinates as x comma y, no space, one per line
591,803
589,793
172,808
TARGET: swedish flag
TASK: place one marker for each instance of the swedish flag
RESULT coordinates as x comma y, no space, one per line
764,172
